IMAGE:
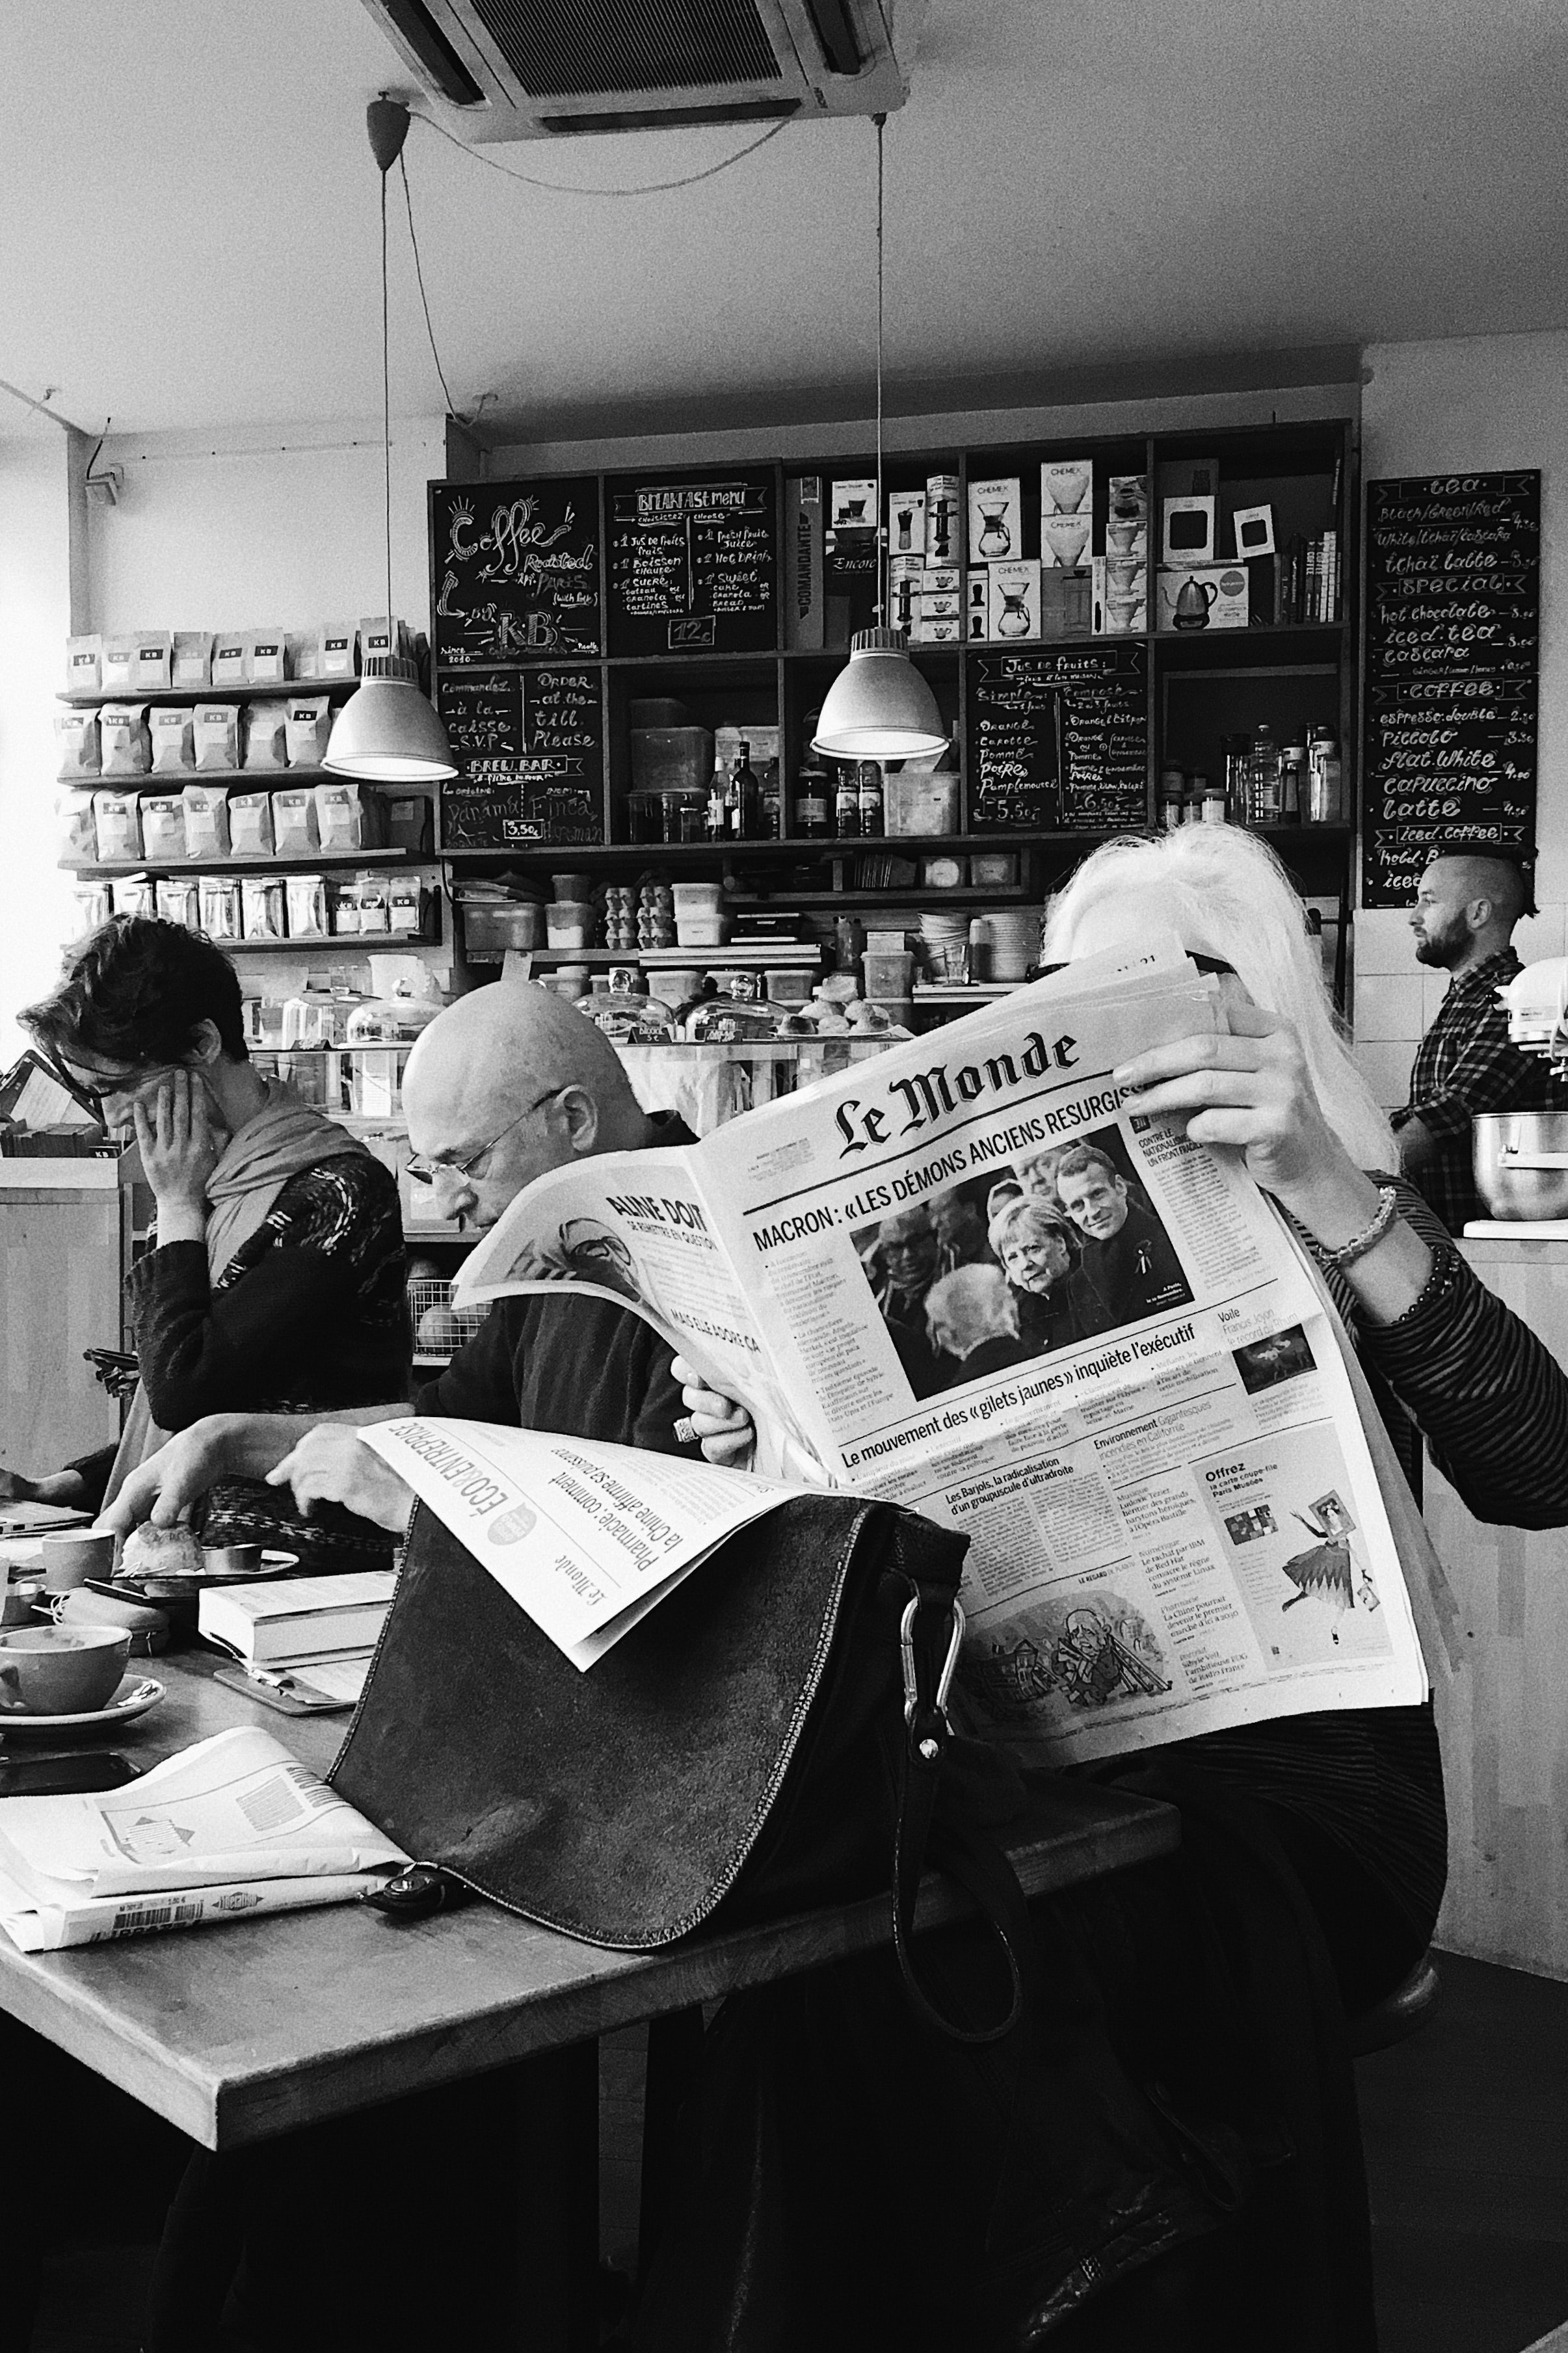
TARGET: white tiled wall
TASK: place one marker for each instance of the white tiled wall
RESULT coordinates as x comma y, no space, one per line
1395,998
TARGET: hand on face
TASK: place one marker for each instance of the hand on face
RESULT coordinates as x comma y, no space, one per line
330,1465
1248,1086
178,1140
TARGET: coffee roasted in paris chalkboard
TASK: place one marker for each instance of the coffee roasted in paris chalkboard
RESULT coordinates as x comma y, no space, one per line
1453,568
514,569
693,563
1059,739
532,744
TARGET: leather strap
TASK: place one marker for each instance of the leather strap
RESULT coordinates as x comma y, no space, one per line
980,1867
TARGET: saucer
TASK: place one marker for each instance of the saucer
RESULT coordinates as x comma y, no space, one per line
136,1694
147,1586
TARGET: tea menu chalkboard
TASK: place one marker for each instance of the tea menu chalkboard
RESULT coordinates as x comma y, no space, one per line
531,744
1452,651
693,564
515,569
1059,739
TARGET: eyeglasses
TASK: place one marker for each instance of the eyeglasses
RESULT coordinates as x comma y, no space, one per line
425,1172
93,1090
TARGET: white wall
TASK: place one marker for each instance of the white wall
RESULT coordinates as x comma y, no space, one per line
1481,403
35,621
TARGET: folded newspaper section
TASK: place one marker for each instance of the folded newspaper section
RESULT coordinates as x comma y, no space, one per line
224,1829
970,1276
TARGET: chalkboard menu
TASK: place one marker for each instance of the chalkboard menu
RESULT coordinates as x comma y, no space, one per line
515,569
1453,568
1059,739
532,745
693,563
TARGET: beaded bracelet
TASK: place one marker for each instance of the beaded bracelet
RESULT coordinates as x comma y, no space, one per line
1359,1244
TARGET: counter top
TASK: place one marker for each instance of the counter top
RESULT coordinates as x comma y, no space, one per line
1493,1242
73,1176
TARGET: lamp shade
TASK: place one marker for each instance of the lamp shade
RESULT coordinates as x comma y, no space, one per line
387,730
878,707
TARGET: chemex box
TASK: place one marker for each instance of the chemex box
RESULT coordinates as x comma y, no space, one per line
996,521
1014,609
907,523
1066,486
1201,597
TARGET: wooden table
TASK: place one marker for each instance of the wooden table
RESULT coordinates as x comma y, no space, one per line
251,2030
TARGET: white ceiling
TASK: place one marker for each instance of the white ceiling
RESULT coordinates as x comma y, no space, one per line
190,216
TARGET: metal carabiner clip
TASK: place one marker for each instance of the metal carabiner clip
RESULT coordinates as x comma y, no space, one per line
944,1682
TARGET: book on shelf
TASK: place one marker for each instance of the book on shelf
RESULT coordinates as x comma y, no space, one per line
296,1618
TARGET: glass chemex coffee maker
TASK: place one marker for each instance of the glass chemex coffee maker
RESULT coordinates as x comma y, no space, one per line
995,539
1013,620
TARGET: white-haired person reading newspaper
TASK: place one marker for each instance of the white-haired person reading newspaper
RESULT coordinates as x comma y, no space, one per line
1319,1841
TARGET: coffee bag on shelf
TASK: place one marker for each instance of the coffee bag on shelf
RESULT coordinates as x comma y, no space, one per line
218,906
135,894
251,833
84,664
78,829
179,901
266,657
192,664
124,745
117,672
154,661
307,726
95,904
214,727
117,819
162,826
206,821
76,733
294,831
406,905
348,815
308,901
370,895
228,657
173,727
265,728
334,650
261,911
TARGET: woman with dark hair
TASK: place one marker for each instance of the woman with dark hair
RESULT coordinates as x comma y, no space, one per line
275,1282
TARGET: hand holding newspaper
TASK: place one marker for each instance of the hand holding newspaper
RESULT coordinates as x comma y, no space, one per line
230,1827
968,1277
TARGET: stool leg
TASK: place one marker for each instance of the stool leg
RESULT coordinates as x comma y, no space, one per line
673,2053
557,2190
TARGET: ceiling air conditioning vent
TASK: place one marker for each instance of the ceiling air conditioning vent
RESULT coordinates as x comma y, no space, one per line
500,70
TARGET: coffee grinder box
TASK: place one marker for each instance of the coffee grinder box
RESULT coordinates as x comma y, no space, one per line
1201,597
907,523
942,520
906,575
802,595
995,521
1014,611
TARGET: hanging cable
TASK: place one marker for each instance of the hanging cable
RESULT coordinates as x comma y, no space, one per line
386,412
564,188
881,121
424,301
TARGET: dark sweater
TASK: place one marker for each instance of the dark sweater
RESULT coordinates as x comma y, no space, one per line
575,1365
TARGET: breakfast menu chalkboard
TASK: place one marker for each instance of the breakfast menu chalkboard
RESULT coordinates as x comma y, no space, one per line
532,744
693,563
1060,739
514,569
1453,570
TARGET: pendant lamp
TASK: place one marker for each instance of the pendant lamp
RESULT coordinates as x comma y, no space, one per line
387,729
879,708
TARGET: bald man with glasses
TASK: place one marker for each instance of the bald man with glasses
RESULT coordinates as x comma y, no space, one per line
508,1082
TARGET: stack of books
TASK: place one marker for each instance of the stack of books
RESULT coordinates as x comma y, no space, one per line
313,1636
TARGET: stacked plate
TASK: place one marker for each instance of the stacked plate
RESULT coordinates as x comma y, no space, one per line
944,943
1015,933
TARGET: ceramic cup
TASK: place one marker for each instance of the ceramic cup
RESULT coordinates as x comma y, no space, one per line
60,1670
232,1560
1066,536
69,1557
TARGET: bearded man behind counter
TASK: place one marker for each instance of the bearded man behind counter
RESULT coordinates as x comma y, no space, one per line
508,1082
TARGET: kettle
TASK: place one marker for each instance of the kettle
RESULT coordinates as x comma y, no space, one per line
1193,599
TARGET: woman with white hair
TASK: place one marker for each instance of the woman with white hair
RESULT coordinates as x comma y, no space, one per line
1039,1259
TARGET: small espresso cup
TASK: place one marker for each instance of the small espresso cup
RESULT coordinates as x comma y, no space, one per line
232,1560
71,1555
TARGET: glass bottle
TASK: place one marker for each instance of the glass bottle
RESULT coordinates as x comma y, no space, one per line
772,802
1325,778
743,799
1238,769
718,801
1292,783
846,805
1263,777
1172,793
812,818
870,799
1213,800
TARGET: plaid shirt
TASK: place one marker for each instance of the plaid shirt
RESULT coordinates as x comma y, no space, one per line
1464,1065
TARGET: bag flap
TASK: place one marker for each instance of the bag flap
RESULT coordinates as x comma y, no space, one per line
619,1804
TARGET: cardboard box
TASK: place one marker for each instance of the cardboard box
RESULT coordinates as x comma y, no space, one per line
942,520
1065,541
906,577
977,603
1187,534
802,598
1222,588
1066,486
1121,604
995,521
854,506
936,632
907,523
1065,605
1015,609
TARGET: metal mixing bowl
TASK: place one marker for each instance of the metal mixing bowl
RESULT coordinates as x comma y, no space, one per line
1522,1163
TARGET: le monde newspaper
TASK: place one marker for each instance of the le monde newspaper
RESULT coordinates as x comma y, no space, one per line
966,1277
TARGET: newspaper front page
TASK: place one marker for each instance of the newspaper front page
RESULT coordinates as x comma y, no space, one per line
968,1277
